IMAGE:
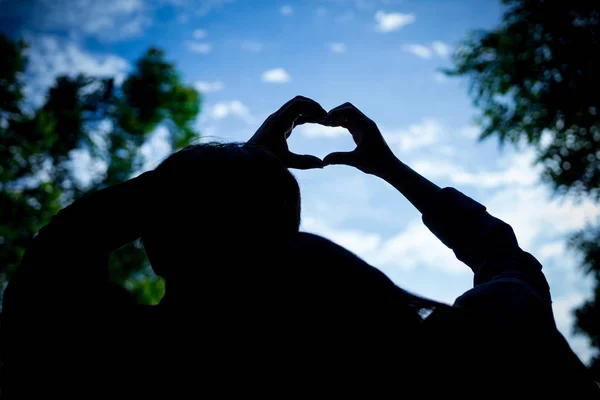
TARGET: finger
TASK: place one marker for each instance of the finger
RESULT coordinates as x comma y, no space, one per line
356,128
345,105
349,108
344,113
297,98
300,120
341,158
303,161
303,119
286,113
347,112
337,120
303,109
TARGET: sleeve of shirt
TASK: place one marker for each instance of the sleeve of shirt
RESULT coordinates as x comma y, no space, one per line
503,273
510,299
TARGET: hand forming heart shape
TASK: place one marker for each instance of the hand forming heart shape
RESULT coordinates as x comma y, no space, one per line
370,154
273,133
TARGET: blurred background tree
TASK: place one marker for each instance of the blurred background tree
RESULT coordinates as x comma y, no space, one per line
96,116
536,81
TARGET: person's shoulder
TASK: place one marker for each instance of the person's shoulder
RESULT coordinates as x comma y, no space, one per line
503,286
506,298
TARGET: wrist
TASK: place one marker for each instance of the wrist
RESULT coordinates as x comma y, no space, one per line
388,167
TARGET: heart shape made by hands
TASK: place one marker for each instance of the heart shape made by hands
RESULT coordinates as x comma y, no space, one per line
371,149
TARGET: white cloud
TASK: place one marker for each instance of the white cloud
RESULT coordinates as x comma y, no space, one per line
276,75
563,307
560,268
99,134
286,10
418,50
199,34
415,247
86,169
156,148
470,132
108,20
208,87
49,58
199,47
337,47
341,198
546,139
319,131
437,48
235,108
519,199
440,48
551,251
534,215
446,150
252,46
440,77
388,22
134,27
519,172
361,243
423,134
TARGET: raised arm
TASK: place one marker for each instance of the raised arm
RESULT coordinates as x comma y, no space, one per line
373,156
67,260
486,244
55,317
513,331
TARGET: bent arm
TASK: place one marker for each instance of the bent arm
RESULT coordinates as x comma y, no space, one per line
67,259
484,243
54,314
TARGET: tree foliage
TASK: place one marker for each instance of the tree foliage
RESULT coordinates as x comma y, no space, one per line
535,80
536,74
85,114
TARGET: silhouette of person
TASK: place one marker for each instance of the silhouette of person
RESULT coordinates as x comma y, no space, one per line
252,306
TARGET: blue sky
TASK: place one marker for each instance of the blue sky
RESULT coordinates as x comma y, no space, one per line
249,57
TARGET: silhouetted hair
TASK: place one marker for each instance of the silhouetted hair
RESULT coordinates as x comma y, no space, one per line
219,201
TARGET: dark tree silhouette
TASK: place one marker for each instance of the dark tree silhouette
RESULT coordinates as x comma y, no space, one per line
88,114
535,80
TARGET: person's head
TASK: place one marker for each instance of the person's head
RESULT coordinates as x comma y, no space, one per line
222,213
216,204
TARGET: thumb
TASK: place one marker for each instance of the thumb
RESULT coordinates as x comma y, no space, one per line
303,161
343,157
